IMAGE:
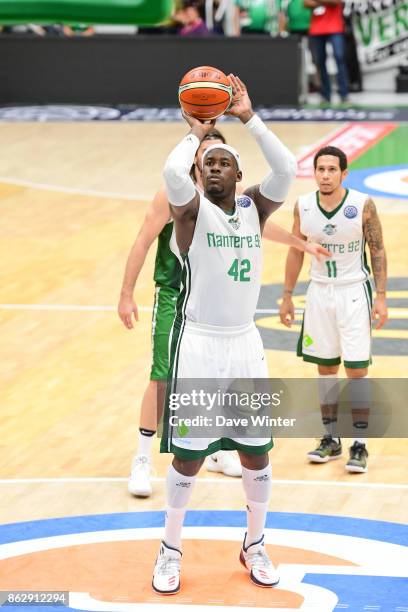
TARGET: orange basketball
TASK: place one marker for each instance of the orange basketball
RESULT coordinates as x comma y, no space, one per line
205,93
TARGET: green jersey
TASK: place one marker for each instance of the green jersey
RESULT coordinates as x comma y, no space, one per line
261,15
297,14
167,268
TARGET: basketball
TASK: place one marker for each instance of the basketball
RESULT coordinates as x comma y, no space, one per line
205,93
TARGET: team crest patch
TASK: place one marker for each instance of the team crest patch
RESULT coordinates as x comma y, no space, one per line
330,229
350,212
244,201
235,222
307,341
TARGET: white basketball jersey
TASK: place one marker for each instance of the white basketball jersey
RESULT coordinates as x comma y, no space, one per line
221,275
341,232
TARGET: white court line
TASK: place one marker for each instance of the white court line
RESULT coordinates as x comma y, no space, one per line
73,190
223,481
97,308
100,308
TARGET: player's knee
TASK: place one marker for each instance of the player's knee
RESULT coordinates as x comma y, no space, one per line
187,467
356,372
325,370
253,462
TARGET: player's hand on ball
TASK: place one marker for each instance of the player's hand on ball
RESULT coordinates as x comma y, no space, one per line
379,312
126,308
315,249
241,105
287,311
199,125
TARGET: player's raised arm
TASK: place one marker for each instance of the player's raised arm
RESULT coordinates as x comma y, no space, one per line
270,194
373,234
181,191
294,263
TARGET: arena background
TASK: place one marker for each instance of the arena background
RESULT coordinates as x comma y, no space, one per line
75,183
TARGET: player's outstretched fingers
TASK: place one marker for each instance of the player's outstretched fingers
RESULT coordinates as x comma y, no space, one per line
241,84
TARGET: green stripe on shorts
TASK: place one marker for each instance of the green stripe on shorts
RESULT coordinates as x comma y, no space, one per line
164,310
221,444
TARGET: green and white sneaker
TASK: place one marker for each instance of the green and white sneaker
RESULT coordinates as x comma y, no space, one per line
358,458
327,450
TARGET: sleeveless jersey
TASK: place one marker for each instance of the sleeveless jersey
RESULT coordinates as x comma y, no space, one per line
341,232
221,274
167,268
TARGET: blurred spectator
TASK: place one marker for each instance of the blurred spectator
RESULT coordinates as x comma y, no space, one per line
49,30
258,16
190,16
78,29
353,64
31,28
327,25
294,19
222,17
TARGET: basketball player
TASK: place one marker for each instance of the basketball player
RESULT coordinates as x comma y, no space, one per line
213,334
167,276
337,319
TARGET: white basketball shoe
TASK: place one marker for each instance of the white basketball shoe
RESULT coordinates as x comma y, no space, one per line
256,560
225,462
166,573
139,481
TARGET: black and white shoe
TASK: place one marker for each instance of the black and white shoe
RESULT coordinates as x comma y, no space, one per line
358,458
327,450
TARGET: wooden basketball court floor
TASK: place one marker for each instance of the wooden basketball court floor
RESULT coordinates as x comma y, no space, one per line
72,197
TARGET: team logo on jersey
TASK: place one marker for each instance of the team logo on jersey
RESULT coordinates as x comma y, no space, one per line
244,202
330,229
235,222
350,212
307,341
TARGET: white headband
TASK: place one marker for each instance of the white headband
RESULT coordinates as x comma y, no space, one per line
225,147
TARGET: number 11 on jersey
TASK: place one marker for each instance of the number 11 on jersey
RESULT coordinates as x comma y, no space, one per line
331,269
239,270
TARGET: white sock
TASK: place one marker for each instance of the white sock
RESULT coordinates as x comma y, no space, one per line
359,390
328,397
178,492
173,526
145,441
257,486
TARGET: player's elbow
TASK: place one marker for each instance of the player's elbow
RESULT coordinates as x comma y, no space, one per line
286,171
292,165
276,185
174,174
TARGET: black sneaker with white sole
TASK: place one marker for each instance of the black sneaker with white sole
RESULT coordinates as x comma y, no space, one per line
358,458
327,450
